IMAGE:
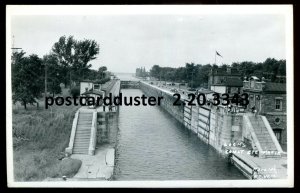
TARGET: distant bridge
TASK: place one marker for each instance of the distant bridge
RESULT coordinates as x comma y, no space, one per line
130,84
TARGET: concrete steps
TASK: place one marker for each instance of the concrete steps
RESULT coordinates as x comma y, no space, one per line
262,134
83,133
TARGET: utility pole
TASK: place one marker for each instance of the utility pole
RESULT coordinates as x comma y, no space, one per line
45,80
14,49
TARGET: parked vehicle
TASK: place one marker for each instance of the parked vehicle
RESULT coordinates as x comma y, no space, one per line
174,90
191,89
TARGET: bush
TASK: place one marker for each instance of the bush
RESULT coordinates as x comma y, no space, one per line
75,91
69,167
102,81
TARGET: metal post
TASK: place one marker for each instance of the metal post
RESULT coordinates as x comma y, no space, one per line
215,58
45,80
70,79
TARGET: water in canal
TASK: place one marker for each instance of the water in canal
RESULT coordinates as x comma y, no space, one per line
152,145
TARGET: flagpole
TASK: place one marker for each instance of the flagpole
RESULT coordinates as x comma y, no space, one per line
215,58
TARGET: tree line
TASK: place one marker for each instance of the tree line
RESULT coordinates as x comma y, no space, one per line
196,75
141,72
67,63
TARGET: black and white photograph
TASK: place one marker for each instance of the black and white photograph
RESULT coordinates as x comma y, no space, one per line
149,96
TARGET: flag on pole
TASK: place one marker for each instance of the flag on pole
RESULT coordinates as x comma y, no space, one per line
219,54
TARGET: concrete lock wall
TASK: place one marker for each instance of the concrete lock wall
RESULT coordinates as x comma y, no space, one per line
115,90
107,128
167,101
213,125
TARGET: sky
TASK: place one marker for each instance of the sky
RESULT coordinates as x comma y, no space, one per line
131,41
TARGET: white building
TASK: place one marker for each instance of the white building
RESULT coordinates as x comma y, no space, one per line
88,86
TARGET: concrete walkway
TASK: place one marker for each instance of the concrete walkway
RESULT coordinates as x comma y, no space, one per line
269,168
99,166
276,168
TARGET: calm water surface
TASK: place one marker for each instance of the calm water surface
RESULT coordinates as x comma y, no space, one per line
152,145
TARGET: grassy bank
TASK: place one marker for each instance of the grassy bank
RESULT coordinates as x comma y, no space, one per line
39,138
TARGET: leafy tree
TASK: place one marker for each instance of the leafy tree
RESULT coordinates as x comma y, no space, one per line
197,75
271,65
103,80
63,51
141,72
202,76
54,74
191,71
224,67
101,72
155,71
73,56
92,74
27,78
75,91
102,69
85,51
169,73
180,74
282,68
